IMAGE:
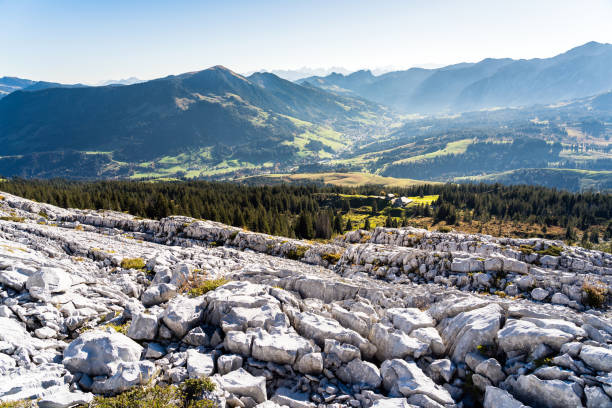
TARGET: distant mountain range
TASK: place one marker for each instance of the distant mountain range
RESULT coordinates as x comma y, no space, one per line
216,114
490,83
220,124
11,84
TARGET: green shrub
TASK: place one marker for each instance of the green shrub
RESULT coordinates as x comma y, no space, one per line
297,253
119,328
332,258
12,218
444,229
552,250
596,293
195,287
17,404
188,395
193,388
133,263
539,362
526,249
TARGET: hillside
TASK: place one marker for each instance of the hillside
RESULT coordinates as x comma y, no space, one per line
98,303
334,179
579,72
569,179
12,84
213,119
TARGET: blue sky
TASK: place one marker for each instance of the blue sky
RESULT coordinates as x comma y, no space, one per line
88,41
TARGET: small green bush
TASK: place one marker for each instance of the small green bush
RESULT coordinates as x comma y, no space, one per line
297,253
188,395
193,388
12,218
197,287
133,263
332,258
17,404
444,229
552,250
526,249
119,328
596,293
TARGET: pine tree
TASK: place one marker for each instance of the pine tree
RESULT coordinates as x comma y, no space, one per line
338,228
367,225
349,225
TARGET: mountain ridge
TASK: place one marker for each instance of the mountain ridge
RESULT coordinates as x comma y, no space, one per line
492,82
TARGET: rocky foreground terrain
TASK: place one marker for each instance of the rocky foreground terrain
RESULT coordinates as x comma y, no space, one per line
390,318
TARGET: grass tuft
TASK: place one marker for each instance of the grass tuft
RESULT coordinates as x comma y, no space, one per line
17,404
297,253
12,218
596,293
332,258
133,263
198,286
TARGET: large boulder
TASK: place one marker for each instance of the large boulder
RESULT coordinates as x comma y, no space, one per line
311,363
599,358
143,326
498,398
183,314
49,280
65,399
281,347
406,378
98,352
199,364
409,319
319,328
391,343
360,372
523,335
242,383
126,376
546,393
156,294
38,381
468,330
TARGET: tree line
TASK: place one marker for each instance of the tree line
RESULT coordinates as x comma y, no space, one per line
309,211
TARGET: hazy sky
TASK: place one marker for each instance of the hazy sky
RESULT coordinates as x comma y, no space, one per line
88,41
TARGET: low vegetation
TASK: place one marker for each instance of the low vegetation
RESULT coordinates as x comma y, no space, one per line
596,293
119,328
190,394
12,218
17,404
316,212
297,253
198,285
133,263
332,258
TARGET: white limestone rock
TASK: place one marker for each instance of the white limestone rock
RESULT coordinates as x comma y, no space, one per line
406,378
599,358
523,335
143,327
98,352
242,383
199,364
546,393
183,314
468,330
498,398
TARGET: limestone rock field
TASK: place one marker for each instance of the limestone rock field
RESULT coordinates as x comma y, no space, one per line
95,303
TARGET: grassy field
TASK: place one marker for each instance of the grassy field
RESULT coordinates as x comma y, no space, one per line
456,147
344,179
579,179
